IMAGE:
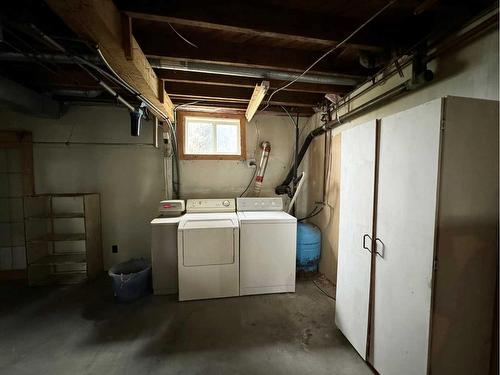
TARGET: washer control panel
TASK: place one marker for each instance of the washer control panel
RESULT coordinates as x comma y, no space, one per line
211,205
260,204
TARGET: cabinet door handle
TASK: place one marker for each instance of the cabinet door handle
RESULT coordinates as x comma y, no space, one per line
382,251
364,242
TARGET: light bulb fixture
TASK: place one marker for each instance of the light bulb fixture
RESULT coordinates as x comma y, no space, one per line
257,96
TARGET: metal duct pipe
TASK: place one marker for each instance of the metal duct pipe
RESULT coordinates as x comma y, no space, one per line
259,178
252,72
46,57
77,93
200,67
103,84
402,88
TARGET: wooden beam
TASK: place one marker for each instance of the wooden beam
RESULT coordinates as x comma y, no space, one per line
161,91
127,36
101,22
291,38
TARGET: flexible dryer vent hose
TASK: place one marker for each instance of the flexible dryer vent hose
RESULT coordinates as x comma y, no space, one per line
259,178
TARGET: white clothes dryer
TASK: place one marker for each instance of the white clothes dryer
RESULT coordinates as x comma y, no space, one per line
208,250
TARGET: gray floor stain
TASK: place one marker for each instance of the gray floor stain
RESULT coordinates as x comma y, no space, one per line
81,330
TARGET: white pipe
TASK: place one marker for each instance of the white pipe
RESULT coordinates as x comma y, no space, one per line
292,202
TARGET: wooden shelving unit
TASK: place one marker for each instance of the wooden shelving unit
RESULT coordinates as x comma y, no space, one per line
63,238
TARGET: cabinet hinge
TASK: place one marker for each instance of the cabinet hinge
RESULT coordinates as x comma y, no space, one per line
435,265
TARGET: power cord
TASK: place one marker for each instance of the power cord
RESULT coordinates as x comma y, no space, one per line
323,291
313,212
251,180
329,52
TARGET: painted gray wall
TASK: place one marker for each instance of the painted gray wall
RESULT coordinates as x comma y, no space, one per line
130,177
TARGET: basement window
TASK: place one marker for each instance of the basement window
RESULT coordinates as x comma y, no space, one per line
207,136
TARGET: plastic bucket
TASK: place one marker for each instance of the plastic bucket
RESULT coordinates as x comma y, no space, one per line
131,279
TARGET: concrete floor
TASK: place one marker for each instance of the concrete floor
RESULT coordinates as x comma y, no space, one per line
80,330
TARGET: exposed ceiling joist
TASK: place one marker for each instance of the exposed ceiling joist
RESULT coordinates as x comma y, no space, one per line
291,38
225,100
210,48
324,20
224,107
101,22
238,94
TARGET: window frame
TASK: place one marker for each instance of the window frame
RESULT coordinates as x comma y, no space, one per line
181,122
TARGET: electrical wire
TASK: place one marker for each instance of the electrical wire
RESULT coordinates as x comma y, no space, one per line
327,167
314,211
190,103
114,77
182,37
322,290
382,72
92,143
257,137
70,133
291,160
289,116
295,124
31,56
250,183
333,49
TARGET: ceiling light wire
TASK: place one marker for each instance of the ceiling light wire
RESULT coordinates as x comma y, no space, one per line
181,36
390,3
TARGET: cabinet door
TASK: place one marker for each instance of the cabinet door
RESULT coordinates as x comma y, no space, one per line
405,227
356,213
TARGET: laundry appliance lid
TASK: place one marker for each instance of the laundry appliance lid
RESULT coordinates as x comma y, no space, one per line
209,220
266,216
166,220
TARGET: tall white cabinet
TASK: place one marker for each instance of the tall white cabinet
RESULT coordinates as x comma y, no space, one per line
418,238
355,229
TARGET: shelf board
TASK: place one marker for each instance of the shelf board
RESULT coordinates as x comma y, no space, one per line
59,259
59,237
68,215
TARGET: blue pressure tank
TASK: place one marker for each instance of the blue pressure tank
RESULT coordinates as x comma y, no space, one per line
308,247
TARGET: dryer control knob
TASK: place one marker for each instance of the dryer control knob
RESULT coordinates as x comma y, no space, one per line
225,203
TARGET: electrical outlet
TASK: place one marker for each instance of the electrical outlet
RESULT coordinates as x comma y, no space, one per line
114,249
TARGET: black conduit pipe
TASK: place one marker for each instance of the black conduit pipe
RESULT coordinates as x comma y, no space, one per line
393,93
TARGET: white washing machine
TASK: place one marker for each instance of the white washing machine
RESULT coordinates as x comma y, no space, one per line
164,247
267,246
208,250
